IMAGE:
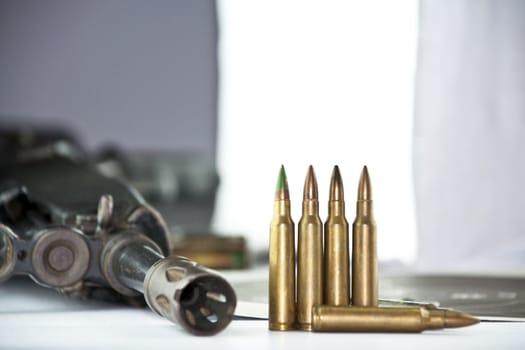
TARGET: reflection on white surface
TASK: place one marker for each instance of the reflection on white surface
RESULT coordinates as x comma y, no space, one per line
22,295
51,321
136,330
321,83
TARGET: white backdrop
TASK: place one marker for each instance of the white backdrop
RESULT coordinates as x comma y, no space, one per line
321,83
469,146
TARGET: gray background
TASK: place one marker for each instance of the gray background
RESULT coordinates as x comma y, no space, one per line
140,74
469,135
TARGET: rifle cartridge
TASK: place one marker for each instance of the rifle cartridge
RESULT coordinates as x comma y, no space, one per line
374,319
310,254
364,247
336,256
282,260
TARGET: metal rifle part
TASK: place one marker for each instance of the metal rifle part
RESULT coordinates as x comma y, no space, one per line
336,256
72,229
175,287
310,254
374,319
364,247
281,313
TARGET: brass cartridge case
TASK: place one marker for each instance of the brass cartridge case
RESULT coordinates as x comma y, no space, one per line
364,247
373,319
281,313
310,255
336,255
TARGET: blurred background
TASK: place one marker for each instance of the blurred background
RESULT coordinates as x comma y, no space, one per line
430,95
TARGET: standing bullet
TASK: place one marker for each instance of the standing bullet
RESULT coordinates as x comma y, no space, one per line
282,260
373,319
310,251
336,257
364,247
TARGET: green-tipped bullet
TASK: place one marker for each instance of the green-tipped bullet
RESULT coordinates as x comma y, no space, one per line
281,260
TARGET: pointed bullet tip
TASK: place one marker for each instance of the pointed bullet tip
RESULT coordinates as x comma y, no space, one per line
365,170
454,319
365,188
281,190
336,185
310,185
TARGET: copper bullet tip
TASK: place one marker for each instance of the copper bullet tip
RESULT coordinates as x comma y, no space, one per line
310,185
455,319
364,192
281,190
336,186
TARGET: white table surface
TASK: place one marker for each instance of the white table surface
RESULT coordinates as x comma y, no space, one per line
38,318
